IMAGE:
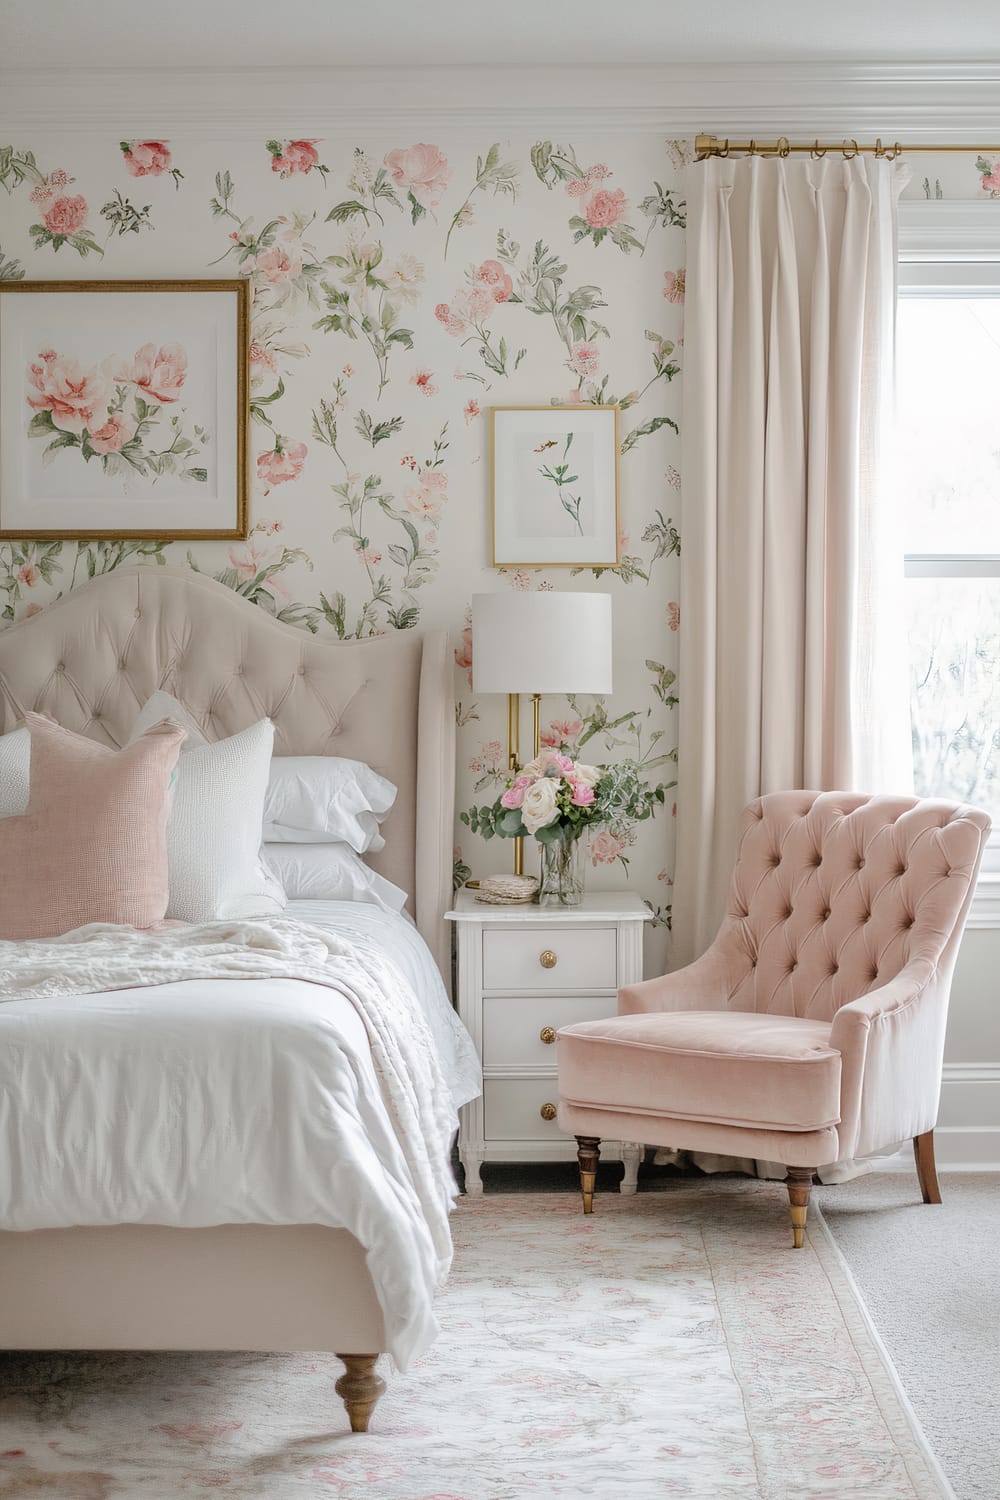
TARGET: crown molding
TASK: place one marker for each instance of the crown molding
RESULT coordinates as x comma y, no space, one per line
949,230
950,102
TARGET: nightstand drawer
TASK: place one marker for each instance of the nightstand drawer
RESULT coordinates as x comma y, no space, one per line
513,1026
551,958
512,1109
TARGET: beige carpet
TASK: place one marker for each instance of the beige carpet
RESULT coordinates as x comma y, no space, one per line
930,1278
671,1345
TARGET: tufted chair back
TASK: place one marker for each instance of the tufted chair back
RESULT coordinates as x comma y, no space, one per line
835,892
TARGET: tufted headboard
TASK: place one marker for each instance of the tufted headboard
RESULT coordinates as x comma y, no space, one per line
92,659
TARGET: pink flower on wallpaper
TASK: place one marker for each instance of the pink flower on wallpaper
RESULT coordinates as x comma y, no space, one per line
463,654
578,187
277,265
449,319
368,556
606,847
421,170
60,385
605,208
294,158
424,382
561,732
585,360
159,373
250,558
261,356
282,463
66,215
673,288
423,503
146,158
492,275
114,434
471,410
673,615
598,172
28,574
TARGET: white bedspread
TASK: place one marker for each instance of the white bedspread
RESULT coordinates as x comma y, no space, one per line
150,1078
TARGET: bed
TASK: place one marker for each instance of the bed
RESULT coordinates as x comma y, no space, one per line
90,661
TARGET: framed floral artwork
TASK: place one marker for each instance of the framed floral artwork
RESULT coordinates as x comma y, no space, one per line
555,486
123,409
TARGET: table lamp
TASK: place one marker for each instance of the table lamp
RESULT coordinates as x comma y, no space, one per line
537,643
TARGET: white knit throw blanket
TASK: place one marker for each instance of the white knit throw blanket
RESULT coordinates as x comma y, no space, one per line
98,958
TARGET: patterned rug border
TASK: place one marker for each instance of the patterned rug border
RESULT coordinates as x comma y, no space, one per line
873,1354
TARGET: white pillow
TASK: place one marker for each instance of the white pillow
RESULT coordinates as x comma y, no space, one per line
326,799
213,832
330,872
15,759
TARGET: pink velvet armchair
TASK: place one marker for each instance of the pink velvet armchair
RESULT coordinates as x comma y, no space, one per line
813,1028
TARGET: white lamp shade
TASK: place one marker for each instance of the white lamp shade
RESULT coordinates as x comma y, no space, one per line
541,643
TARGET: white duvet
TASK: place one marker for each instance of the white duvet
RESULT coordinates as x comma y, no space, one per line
257,1072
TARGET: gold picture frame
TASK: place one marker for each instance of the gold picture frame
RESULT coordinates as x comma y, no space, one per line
136,387
534,506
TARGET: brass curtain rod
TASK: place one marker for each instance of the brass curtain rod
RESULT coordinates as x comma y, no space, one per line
711,145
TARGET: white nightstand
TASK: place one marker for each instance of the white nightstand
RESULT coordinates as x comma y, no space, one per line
523,972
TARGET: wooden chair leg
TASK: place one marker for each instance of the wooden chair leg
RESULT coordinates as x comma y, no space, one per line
588,1154
799,1185
359,1388
923,1155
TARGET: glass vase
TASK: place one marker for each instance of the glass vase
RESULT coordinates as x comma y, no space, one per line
562,872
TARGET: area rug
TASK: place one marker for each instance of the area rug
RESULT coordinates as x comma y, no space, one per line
671,1345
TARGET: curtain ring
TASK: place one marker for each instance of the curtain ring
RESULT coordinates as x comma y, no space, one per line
896,151
850,155
752,148
816,153
784,149
879,148
723,151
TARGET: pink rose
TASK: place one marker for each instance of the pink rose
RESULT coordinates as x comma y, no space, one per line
27,574
65,215
585,359
673,288
420,170
582,794
514,795
605,208
147,158
159,373
250,558
282,463
60,385
492,274
296,157
423,502
278,265
606,847
561,732
113,435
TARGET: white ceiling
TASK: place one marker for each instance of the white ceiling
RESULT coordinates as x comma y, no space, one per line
86,34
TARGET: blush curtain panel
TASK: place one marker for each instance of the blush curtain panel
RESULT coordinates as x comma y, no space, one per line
792,658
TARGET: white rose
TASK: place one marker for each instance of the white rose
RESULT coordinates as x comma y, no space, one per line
539,806
590,774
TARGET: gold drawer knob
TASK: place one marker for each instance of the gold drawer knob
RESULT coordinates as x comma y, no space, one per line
547,1034
548,1111
547,959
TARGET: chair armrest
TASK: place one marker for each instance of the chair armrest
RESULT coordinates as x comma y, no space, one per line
891,1042
704,985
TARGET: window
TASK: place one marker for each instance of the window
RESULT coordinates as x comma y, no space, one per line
948,380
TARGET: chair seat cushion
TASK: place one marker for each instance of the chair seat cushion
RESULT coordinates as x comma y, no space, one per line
731,1067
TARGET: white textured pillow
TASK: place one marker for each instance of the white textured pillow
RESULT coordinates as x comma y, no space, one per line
213,833
15,759
326,799
330,872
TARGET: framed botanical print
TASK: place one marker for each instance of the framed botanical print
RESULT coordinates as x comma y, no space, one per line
555,486
123,409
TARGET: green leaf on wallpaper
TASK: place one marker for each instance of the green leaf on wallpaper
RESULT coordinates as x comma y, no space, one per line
10,270
402,336
41,422
417,210
653,425
335,612
376,432
341,212
405,618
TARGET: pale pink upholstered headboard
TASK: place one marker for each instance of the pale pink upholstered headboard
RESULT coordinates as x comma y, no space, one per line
93,658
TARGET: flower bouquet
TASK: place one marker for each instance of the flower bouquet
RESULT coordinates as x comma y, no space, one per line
553,800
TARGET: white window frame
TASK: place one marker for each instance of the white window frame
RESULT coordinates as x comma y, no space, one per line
952,249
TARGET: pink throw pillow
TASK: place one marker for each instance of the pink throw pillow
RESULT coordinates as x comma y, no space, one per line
92,846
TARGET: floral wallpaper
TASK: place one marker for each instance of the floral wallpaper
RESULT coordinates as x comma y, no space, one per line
401,287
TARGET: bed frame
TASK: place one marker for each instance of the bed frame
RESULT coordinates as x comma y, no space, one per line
90,661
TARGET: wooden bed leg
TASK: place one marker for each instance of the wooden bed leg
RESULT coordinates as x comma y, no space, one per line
799,1185
359,1388
923,1155
588,1154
